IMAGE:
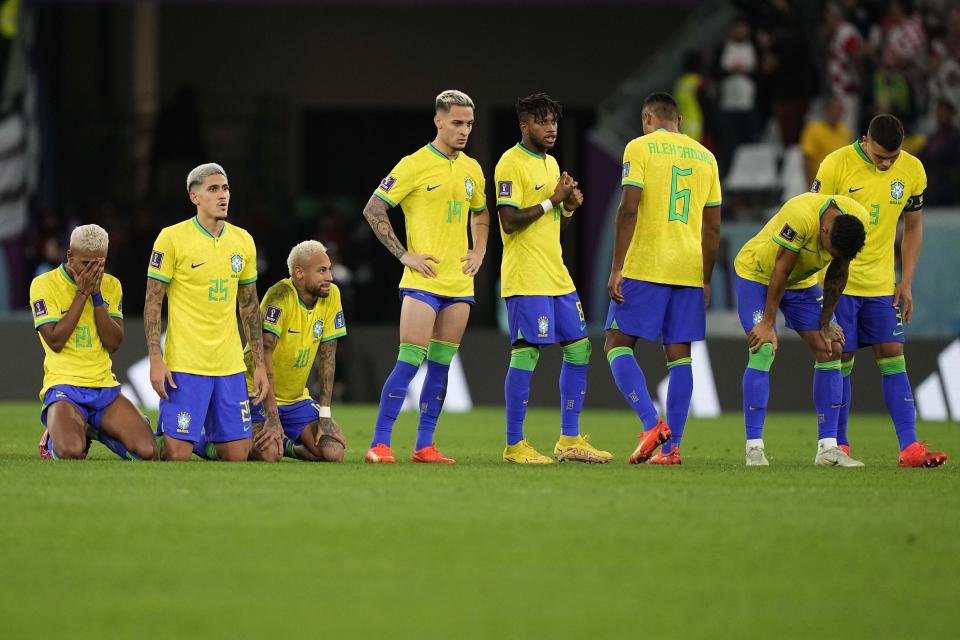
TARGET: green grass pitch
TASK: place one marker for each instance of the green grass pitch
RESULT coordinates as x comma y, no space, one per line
109,549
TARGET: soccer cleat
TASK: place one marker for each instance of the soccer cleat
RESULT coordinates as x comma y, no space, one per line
666,458
578,449
523,453
917,455
380,454
845,448
649,441
756,457
430,455
834,457
47,453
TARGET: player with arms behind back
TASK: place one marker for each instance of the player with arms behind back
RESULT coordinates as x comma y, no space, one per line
874,308
440,189
667,234
535,202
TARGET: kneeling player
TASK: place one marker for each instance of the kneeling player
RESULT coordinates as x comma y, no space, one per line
301,316
77,310
777,269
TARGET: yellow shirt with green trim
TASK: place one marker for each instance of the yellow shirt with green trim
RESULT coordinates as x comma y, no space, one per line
203,274
532,257
679,177
795,227
885,195
299,332
83,361
437,195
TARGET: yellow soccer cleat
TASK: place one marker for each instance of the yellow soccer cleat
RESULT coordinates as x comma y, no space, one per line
579,449
523,453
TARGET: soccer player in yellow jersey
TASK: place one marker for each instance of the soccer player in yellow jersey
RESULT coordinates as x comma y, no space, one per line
440,189
535,202
302,316
78,315
874,308
205,266
777,269
667,234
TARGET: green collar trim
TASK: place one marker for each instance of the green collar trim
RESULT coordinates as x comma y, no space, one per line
826,205
528,151
860,152
66,274
199,226
442,155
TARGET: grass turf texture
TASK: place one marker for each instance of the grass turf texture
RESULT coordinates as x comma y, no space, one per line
103,548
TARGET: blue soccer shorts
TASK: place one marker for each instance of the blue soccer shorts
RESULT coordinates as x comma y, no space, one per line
546,319
216,405
664,313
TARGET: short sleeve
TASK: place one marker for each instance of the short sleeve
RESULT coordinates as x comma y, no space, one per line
827,176
399,183
915,202
792,232
714,199
42,304
114,298
510,186
633,165
334,324
274,312
162,258
478,200
248,275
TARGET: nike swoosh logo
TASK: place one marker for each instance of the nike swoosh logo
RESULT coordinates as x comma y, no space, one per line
64,310
199,264
390,395
855,190
246,428
292,331
898,333
836,406
582,327
538,187
429,188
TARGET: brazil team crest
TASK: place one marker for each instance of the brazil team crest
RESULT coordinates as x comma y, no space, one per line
897,189
757,317
468,185
236,263
183,422
543,326
317,329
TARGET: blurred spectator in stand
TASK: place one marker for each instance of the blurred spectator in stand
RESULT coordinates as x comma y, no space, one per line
944,79
901,33
890,88
50,257
687,91
737,91
844,50
824,136
941,159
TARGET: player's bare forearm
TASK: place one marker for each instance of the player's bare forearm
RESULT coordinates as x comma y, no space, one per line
270,402
834,280
250,318
152,307
376,214
109,329
911,244
625,224
710,241
480,230
784,264
57,333
513,219
326,368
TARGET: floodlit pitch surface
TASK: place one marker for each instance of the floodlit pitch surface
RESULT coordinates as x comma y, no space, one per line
103,548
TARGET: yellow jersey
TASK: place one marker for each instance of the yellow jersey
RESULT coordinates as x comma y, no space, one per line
532,257
884,194
796,227
299,332
83,361
679,177
202,274
437,195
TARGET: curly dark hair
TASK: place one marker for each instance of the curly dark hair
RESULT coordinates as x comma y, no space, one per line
848,236
538,106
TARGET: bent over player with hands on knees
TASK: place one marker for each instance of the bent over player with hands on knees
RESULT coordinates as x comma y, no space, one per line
535,202
302,316
78,315
205,266
440,189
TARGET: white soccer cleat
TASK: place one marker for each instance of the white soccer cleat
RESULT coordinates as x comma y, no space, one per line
834,457
755,457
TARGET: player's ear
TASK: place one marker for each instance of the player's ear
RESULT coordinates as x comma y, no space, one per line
437,120
193,197
679,120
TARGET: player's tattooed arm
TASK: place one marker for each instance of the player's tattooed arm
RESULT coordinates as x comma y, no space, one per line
623,234
834,282
376,214
326,367
250,317
479,229
160,375
272,433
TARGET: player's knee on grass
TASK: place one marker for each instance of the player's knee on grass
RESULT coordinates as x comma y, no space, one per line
145,449
330,449
69,447
177,450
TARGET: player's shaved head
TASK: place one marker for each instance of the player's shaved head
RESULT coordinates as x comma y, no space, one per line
887,131
198,174
89,238
452,98
538,106
662,105
302,252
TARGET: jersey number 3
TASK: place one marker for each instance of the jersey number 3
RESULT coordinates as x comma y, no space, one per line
681,212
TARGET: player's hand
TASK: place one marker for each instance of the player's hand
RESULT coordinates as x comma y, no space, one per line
762,333
473,259
269,438
420,262
88,279
613,286
565,186
831,333
574,200
904,294
327,427
261,384
160,374
706,295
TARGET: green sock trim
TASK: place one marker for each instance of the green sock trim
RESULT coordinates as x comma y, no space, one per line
442,352
762,360
679,361
289,448
524,358
829,366
412,354
578,352
846,368
893,365
616,352
211,450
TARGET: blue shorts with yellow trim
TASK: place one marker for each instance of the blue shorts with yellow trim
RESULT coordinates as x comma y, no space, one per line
294,418
869,320
437,302
91,401
546,319
800,307
665,313
214,405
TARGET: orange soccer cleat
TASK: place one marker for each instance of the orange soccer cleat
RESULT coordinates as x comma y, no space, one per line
649,441
845,448
917,455
666,458
430,455
380,454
